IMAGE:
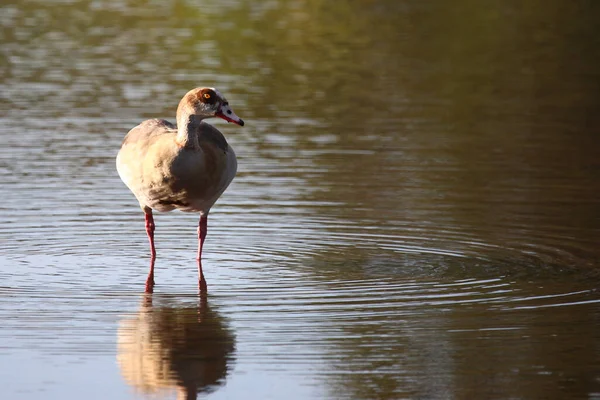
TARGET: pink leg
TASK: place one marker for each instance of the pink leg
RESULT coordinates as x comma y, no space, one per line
150,231
202,229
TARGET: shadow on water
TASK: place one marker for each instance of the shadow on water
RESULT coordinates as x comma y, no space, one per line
170,345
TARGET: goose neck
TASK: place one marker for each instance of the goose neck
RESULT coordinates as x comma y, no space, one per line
187,127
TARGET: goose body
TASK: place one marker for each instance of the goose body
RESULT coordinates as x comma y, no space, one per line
186,166
165,176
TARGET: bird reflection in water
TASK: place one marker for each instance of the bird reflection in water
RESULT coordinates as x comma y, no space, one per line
169,346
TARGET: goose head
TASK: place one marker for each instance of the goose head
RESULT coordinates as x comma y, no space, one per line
206,102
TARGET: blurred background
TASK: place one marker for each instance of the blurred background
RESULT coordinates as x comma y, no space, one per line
416,212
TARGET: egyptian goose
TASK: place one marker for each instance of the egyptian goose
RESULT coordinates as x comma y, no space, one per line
185,167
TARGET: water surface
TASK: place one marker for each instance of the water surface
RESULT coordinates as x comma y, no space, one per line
416,212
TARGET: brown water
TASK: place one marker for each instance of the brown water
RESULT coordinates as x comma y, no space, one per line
416,213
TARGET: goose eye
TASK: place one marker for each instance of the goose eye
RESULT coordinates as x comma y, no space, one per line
207,95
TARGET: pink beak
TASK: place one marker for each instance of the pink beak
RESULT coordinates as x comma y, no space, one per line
228,115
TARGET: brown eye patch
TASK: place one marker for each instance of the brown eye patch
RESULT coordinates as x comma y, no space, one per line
207,96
